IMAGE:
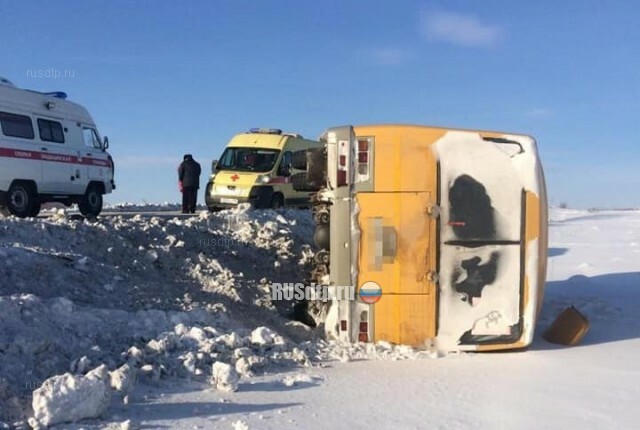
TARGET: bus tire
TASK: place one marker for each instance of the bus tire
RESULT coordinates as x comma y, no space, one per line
299,159
299,182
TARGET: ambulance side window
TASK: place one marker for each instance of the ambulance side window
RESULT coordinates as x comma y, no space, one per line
90,138
50,131
16,125
285,164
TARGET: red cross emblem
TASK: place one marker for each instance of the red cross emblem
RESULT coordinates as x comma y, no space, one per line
235,177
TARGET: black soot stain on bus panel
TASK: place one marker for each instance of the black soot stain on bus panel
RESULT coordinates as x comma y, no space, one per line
471,213
477,277
468,338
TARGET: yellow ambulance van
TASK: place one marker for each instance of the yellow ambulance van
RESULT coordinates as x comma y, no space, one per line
257,168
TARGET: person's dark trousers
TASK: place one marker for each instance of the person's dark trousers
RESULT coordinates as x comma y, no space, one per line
189,199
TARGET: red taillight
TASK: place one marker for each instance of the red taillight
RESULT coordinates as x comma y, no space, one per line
342,177
363,157
364,327
343,325
363,145
343,160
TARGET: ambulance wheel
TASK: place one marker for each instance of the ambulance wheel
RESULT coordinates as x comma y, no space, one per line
277,201
35,210
90,203
20,199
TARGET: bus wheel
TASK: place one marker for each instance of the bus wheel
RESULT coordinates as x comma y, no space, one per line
299,159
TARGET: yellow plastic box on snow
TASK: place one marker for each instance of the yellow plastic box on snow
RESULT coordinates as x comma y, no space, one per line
443,231
257,167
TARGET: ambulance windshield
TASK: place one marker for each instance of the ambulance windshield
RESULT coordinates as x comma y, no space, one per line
248,159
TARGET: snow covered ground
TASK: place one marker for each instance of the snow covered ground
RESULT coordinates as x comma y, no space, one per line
151,291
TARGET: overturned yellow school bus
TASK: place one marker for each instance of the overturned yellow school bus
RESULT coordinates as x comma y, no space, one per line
444,233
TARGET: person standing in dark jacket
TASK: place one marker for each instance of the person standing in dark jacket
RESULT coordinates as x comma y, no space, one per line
189,182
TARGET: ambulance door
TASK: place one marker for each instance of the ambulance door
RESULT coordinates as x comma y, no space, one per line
95,161
57,157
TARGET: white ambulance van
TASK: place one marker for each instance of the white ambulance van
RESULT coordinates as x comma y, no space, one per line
50,151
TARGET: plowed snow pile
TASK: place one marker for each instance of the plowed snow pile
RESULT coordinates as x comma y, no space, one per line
167,296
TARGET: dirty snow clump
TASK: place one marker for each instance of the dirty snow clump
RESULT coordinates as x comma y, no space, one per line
224,377
66,398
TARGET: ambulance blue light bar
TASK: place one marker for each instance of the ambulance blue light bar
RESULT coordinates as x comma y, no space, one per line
265,130
57,94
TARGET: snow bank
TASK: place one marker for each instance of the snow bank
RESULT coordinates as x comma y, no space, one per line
148,296
342,351
148,207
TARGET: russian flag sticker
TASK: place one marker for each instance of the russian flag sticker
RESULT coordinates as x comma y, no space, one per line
370,292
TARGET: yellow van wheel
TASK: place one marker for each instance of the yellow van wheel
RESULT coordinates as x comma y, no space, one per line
277,201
